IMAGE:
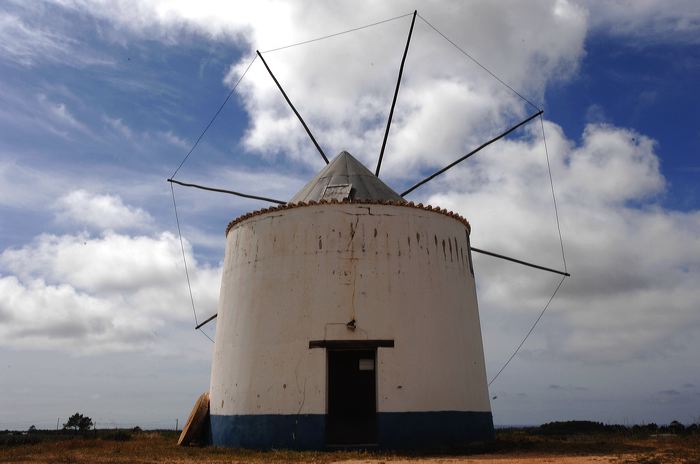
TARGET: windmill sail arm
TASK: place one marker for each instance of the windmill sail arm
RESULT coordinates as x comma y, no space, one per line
208,320
396,94
289,102
231,192
524,263
476,150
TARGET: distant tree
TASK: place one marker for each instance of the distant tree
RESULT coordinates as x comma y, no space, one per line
676,427
32,429
78,422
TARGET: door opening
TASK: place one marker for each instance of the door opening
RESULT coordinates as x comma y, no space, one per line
352,397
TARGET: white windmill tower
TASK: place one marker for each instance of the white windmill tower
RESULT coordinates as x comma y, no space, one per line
349,316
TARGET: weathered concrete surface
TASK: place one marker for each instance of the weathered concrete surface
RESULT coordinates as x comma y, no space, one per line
300,274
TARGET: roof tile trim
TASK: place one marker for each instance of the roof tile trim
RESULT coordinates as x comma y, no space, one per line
408,204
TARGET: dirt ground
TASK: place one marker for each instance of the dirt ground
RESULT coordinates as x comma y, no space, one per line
154,447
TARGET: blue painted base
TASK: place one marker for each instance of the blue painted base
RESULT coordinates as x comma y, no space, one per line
395,430
428,430
265,431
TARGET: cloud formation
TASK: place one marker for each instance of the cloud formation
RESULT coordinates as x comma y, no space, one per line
356,73
110,292
26,42
634,263
100,212
648,21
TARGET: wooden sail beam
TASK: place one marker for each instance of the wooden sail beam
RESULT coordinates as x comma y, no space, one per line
524,263
209,319
289,102
231,192
476,150
396,94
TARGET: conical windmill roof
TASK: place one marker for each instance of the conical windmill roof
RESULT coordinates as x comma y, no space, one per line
345,178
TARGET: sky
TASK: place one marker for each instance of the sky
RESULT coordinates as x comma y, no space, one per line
100,102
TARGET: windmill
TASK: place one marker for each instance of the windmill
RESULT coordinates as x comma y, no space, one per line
348,315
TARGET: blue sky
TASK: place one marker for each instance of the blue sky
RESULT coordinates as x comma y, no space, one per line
648,87
99,104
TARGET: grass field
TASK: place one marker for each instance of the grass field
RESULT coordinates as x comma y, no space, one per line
511,446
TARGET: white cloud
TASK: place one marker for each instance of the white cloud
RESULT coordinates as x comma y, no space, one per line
355,73
41,315
117,125
94,294
26,43
39,189
647,20
635,265
60,117
607,185
173,139
39,114
23,111
100,211
22,43
143,140
14,179
446,103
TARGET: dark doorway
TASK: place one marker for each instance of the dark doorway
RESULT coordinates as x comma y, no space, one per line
352,397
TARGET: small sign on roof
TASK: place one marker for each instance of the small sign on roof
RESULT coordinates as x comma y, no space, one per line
338,192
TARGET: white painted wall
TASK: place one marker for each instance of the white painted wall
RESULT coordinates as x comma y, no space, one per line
300,274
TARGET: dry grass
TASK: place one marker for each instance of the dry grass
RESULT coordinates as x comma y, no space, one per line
510,447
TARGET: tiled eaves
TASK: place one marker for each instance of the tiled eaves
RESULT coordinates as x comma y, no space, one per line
407,204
